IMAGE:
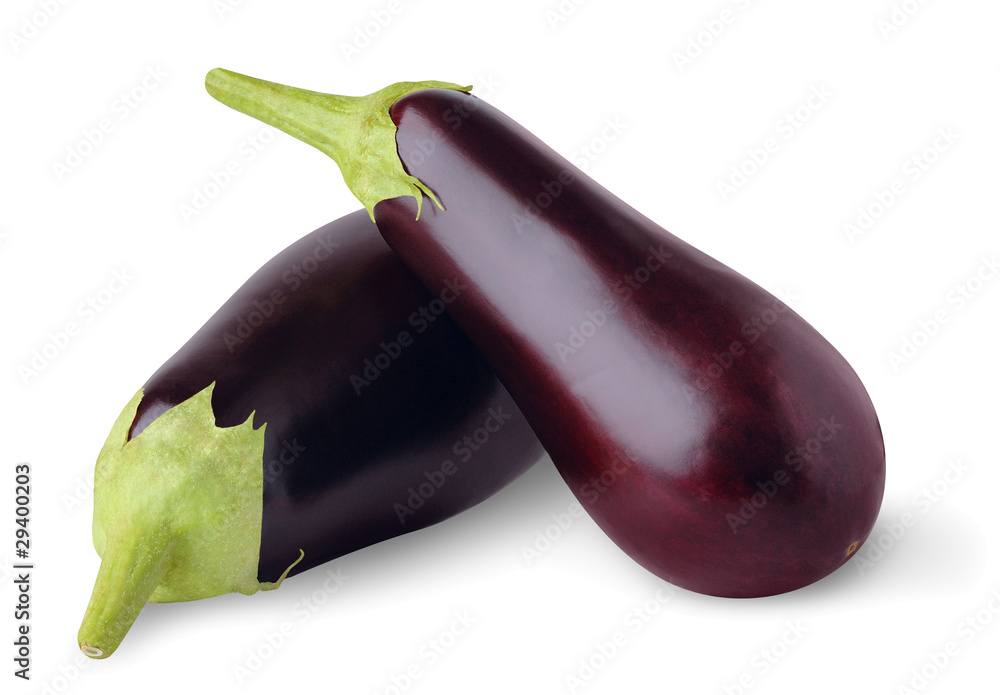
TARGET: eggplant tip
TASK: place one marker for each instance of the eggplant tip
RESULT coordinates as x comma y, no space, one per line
92,652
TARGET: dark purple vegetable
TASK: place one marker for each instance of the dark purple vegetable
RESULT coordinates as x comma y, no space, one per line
360,411
714,435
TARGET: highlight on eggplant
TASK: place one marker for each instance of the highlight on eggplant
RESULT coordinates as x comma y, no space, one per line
709,430
325,407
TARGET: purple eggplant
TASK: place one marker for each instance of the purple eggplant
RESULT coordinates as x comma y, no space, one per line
709,430
330,404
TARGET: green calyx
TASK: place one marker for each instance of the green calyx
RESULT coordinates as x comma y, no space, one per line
177,516
357,132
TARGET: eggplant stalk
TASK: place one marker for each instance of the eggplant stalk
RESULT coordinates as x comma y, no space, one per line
177,516
356,132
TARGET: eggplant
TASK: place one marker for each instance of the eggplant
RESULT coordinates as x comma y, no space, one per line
328,405
713,434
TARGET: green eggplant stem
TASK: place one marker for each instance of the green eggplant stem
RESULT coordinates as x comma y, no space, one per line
270,586
177,516
357,132
130,571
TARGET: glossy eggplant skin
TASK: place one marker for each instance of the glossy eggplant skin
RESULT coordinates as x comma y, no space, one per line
711,432
375,403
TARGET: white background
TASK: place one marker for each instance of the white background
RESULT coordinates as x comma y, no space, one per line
890,89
